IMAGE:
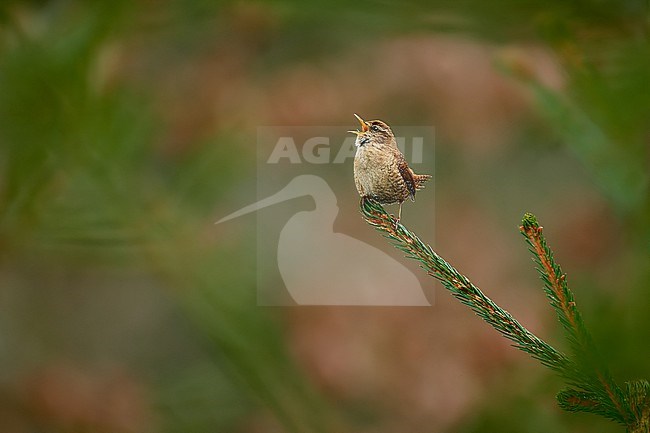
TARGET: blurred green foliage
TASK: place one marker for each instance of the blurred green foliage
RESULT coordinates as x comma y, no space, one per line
86,183
82,179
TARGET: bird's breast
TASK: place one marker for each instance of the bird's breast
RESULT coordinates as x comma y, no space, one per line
376,174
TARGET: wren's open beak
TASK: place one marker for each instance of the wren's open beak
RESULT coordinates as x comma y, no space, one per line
364,126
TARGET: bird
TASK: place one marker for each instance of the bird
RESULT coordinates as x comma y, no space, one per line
381,172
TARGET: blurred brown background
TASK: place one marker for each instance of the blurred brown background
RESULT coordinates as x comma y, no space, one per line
128,128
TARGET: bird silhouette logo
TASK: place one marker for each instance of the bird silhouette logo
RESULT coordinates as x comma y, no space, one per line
321,267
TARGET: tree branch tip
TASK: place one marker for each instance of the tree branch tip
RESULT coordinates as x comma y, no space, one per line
529,221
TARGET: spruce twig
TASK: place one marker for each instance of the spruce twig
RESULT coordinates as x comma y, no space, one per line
592,388
466,292
602,394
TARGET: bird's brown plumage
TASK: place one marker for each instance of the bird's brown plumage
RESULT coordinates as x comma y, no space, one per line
380,170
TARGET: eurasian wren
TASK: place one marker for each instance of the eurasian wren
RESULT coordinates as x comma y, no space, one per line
380,170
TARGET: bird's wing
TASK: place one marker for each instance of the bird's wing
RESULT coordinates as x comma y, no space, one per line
407,175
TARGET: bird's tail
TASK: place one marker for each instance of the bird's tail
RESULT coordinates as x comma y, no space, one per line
420,179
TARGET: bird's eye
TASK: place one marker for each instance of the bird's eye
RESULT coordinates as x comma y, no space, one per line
374,128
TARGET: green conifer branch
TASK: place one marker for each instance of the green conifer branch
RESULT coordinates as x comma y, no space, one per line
592,388
638,397
593,377
573,400
466,292
637,401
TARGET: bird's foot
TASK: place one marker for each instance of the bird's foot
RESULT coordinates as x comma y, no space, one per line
399,215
